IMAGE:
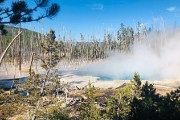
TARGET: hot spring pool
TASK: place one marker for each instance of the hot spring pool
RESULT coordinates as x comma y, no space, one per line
109,77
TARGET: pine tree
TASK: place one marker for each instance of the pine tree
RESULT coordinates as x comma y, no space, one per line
88,110
136,85
118,106
36,84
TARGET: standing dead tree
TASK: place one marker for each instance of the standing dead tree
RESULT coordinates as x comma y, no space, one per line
3,54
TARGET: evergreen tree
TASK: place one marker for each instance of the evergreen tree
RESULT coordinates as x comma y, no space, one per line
118,105
88,110
20,12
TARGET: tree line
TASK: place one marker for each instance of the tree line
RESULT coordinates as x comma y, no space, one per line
85,49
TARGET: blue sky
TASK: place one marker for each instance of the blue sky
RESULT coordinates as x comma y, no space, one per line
93,17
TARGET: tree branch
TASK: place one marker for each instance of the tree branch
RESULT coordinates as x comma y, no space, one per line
26,15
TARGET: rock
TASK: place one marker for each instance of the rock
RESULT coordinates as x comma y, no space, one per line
73,102
121,86
84,97
78,88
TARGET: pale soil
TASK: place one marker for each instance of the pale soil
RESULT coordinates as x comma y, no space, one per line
162,86
9,71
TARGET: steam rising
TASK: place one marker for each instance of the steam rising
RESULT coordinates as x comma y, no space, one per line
153,61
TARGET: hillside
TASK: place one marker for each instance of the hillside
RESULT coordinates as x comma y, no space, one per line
30,41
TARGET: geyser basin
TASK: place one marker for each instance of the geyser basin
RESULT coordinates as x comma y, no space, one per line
152,63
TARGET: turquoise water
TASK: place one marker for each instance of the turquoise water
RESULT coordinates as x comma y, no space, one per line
122,77
104,77
109,77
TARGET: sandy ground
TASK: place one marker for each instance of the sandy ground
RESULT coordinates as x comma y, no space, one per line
82,81
162,86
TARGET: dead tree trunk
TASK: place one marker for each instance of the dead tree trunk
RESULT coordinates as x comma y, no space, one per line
3,54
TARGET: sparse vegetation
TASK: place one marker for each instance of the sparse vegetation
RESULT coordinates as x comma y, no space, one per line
134,101
44,96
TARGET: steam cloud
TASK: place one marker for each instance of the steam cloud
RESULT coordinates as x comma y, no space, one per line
153,63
